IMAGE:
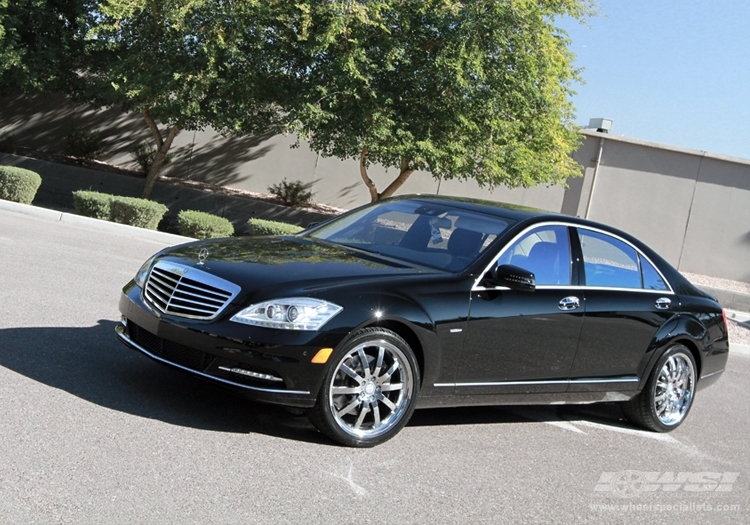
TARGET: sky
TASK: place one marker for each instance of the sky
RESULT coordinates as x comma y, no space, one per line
676,72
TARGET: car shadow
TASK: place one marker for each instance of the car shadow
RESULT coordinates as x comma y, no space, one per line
90,363
609,414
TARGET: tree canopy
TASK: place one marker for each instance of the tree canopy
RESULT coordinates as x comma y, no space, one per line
42,44
468,90
459,89
172,62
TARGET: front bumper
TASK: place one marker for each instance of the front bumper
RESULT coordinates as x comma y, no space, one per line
267,365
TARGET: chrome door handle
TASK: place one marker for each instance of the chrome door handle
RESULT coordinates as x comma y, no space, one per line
569,303
663,303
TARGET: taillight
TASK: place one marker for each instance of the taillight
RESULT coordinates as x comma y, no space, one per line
724,316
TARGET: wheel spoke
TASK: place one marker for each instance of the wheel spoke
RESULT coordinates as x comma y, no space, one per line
376,415
344,390
351,373
387,402
348,408
362,414
385,377
364,363
671,368
379,362
391,387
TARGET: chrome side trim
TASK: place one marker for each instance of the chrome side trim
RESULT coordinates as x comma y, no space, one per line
120,330
594,380
712,374
577,287
585,381
250,373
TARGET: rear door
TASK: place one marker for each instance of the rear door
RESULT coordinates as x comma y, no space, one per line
627,301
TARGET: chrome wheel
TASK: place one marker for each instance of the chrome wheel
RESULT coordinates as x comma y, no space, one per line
369,392
665,401
674,388
371,389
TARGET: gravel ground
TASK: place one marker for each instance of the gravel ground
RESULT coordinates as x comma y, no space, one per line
716,282
739,333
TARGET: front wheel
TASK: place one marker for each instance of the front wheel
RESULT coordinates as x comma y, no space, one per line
666,400
369,391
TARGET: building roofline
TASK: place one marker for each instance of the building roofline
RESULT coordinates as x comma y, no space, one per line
667,147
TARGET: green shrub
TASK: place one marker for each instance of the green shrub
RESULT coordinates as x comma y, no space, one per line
292,193
18,184
93,204
203,225
143,154
142,213
264,227
83,143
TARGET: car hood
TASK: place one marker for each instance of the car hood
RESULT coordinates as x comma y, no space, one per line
255,263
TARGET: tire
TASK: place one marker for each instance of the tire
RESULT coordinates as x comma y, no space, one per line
369,391
666,400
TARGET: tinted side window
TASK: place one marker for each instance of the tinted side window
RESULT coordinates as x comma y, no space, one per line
608,261
545,251
651,278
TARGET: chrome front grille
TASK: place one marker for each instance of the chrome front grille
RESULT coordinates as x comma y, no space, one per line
180,290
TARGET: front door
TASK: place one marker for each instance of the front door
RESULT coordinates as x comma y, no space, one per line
525,342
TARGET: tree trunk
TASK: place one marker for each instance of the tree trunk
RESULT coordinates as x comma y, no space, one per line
162,148
392,187
363,172
398,181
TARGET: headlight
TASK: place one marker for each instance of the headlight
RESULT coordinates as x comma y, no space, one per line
295,313
142,275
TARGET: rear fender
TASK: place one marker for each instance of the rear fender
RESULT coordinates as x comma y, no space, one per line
684,329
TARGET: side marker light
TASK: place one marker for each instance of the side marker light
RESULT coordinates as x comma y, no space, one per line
321,357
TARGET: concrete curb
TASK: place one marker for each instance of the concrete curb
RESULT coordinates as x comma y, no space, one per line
95,224
739,349
740,317
728,299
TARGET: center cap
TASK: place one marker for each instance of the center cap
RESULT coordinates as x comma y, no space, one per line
370,388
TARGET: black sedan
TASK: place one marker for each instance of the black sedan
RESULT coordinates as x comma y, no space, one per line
426,301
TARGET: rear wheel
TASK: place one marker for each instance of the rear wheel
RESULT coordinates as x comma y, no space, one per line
666,400
369,391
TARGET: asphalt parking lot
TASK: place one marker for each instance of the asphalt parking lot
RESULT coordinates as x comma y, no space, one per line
92,432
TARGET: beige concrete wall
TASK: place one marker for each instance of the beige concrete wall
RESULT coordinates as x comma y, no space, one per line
718,232
247,163
692,207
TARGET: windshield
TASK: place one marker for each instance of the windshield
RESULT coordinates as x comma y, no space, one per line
426,233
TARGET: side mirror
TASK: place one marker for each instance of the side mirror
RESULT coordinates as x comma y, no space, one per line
513,277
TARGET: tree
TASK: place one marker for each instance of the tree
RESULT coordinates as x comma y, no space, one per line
41,44
173,61
468,90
